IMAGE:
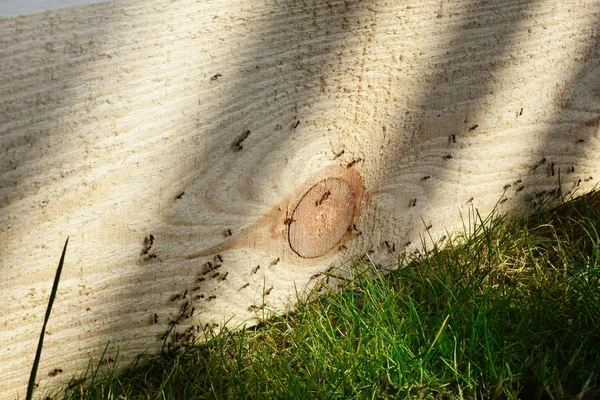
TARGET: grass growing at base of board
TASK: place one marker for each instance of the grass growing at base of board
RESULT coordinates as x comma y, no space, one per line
506,310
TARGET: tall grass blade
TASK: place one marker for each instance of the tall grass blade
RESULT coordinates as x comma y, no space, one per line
38,353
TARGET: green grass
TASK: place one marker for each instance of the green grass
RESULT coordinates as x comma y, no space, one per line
503,311
31,385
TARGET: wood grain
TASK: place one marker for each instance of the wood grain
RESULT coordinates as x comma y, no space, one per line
204,124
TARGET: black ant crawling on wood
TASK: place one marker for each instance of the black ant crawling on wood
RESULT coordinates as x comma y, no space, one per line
353,162
238,143
391,246
148,242
288,221
323,198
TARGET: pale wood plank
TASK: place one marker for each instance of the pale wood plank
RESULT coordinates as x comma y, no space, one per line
109,112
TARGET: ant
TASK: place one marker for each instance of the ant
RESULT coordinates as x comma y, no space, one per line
216,76
338,155
179,196
323,198
255,270
238,144
351,163
185,306
148,242
473,127
288,221
392,246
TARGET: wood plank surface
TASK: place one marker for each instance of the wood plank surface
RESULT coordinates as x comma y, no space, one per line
215,155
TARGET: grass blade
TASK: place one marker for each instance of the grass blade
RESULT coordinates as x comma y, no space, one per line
38,353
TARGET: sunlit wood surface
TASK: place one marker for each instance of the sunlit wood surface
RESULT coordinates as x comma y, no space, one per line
273,138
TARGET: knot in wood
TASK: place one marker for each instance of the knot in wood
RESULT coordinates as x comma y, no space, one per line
322,218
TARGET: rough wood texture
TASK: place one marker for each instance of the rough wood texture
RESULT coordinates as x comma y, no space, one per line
168,138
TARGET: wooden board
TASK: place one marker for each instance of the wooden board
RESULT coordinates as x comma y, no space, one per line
290,135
